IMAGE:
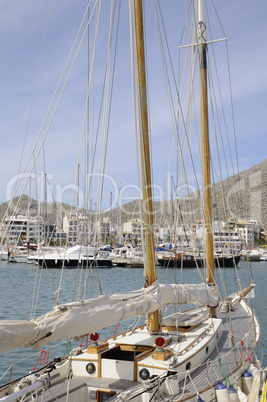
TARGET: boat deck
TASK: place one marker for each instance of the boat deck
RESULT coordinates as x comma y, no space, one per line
203,378
58,391
208,374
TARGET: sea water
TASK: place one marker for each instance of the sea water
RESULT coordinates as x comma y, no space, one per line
23,284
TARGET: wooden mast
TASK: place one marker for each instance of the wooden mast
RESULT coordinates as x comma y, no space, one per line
205,141
153,320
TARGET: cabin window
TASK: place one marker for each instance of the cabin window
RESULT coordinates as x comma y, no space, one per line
144,374
90,368
188,366
207,350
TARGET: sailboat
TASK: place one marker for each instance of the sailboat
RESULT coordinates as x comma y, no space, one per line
199,354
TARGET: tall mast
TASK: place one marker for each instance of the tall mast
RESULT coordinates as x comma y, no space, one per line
205,139
145,155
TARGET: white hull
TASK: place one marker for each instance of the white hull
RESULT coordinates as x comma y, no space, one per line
21,258
71,257
118,363
3,255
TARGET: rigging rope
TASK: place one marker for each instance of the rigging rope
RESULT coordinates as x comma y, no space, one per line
39,134
42,359
223,371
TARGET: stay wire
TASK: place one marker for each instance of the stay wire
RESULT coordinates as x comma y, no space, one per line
40,132
35,86
232,112
108,113
179,146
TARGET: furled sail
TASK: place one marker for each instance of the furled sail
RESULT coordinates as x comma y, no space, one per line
78,318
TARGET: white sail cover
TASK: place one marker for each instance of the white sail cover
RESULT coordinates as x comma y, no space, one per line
75,319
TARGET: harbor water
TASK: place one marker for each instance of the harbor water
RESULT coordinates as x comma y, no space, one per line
22,284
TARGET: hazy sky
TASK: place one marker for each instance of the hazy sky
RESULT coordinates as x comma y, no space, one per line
32,59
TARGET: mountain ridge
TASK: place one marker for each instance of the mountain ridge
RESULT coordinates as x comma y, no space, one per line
244,197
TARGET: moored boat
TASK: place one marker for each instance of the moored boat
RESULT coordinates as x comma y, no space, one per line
71,258
184,356
193,260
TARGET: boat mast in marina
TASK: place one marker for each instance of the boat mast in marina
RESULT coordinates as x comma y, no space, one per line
145,156
205,140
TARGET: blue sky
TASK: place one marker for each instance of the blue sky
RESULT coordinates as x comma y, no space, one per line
25,98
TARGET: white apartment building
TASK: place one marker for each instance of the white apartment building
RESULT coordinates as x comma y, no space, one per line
80,229
249,231
228,239
225,235
132,231
103,229
77,228
23,227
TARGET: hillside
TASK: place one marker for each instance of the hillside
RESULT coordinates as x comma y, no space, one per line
245,197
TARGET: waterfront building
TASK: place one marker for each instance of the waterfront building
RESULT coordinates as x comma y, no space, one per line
23,228
225,235
77,228
250,230
103,230
132,231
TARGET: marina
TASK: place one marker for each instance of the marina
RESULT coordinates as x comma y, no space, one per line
184,321
17,296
